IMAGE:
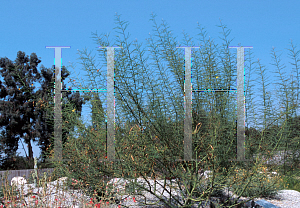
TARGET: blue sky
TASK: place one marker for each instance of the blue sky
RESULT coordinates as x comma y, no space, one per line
30,26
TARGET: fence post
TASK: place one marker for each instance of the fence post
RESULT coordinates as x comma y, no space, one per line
57,102
240,104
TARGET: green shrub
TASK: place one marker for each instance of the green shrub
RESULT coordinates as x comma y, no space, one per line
259,184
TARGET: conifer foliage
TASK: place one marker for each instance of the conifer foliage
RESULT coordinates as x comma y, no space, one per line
25,113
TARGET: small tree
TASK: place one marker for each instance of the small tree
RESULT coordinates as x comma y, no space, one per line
25,114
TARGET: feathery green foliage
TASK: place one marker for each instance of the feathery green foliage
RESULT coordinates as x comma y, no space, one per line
152,139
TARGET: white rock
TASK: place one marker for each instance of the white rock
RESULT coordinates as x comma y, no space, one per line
274,173
18,181
207,173
51,194
63,179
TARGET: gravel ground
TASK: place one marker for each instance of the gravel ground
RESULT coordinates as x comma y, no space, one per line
284,198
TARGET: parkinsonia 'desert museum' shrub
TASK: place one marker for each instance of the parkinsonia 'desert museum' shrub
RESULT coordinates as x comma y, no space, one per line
153,139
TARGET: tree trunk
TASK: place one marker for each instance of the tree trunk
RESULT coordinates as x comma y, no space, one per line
30,150
30,154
